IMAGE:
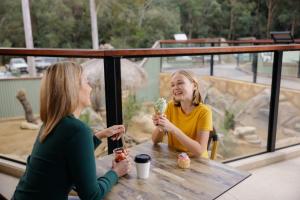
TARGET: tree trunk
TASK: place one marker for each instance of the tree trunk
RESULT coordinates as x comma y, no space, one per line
21,96
95,36
190,26
28,35
271,4
293,24
257,32
231,20
142,11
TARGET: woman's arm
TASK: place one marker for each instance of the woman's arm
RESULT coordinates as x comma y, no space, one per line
196,147
157,136
115,131
82,169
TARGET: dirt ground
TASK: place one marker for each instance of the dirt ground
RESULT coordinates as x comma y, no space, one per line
16,142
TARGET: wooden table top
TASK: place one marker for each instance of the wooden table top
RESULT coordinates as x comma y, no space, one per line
205,179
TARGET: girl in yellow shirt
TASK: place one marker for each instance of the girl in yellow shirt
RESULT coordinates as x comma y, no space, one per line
187,120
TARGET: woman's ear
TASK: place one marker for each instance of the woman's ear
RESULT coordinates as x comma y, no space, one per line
195,86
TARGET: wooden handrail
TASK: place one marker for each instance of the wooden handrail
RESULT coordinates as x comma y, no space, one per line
52,52
217,41
127,53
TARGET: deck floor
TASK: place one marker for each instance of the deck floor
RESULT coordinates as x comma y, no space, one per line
275,182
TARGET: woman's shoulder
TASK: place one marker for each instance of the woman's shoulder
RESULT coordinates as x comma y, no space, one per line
171,103
203,108
71,123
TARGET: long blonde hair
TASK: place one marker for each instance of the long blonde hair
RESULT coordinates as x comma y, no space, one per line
59,94
197,99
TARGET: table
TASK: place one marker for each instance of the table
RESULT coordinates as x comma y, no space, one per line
205,179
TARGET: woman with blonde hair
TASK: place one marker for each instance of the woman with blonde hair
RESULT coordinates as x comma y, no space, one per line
63,153
187,119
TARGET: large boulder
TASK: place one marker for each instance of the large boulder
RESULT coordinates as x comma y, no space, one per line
245,130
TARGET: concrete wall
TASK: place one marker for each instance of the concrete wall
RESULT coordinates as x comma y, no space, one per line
9,105
239,89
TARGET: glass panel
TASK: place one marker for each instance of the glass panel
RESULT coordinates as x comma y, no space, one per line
240,108
288,123
16,134
141,82
95,115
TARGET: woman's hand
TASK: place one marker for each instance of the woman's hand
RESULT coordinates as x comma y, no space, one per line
115,131
155,119
165,124
123,167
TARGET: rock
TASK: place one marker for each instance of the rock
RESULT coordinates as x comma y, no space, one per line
144,122
264,112
29,126
136,137
257,141
297,126
289,132
94,119
251,137
286,114
244,130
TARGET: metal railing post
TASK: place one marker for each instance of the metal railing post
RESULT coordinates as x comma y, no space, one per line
254,67
274,100
212,61
299,66
113,97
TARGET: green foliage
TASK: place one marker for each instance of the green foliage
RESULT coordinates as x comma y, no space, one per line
139,23
11,24
229,122
136,23
130,108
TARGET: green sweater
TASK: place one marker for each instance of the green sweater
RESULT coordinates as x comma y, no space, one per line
64,159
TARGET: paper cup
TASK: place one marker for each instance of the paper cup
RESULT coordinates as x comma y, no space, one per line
142,163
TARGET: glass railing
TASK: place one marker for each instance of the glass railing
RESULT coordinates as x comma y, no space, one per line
241,108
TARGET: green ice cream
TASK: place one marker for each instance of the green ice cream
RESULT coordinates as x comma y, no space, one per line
160,106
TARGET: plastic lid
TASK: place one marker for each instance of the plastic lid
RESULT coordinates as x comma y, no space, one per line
142,158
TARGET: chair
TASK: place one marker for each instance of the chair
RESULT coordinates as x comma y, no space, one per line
213,141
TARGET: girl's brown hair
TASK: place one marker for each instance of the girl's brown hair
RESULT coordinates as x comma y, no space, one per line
197,99
58,94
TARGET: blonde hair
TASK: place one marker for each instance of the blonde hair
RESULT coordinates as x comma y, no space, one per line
58,94
197,99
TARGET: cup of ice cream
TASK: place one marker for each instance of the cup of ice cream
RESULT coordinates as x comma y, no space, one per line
160,106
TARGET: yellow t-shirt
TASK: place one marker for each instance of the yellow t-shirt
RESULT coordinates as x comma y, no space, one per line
200,119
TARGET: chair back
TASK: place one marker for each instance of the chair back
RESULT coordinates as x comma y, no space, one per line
213,141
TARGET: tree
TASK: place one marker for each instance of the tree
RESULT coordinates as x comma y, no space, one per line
288,17
272,6
200,18
136,23
11,24
54,24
